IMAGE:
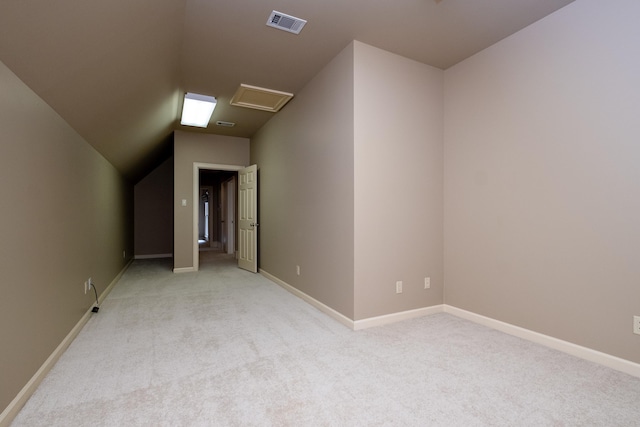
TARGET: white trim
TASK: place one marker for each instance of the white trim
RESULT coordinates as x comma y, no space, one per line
184,270
10,412
152,256
107,290
19,401
585,353
397,317
195,184
341,318
358,324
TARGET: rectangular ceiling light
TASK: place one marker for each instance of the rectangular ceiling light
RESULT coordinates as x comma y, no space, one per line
260,98
197,109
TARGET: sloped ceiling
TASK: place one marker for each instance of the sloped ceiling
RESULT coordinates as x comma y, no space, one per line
116,70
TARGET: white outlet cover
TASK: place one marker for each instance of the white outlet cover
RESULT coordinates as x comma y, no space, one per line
399,287
636,325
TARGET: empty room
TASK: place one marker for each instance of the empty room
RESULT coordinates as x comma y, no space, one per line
392,213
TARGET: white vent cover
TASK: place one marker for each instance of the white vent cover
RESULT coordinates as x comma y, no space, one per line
286,22
225,124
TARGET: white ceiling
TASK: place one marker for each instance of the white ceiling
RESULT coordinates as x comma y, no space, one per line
116,70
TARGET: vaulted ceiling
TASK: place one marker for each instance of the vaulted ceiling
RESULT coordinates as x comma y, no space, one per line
116,70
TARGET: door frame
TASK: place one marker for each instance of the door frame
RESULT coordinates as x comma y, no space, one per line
196,191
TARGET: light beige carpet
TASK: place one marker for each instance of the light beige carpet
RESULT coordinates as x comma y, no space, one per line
224,347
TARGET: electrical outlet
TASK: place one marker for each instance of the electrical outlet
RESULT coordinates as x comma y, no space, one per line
124,254
399,287
89,285
427,282
298,270
636,325
86,287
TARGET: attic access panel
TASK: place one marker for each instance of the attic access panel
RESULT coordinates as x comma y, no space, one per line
260,98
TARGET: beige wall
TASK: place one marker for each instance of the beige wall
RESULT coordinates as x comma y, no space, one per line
542,178
66,214
351,185
153,219
398,173
305,168
190,148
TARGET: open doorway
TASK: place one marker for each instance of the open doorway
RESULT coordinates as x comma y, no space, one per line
214,176
215,212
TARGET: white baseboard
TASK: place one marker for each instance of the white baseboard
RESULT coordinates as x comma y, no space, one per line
357,324
310,300
153,256
18,402
108,289
184,270
585,353
397,317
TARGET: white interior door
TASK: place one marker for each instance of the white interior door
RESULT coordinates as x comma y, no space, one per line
248,218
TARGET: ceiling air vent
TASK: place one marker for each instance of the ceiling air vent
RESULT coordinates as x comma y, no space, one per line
225,124
286,22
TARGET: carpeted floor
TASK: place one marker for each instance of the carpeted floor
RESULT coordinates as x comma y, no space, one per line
224,347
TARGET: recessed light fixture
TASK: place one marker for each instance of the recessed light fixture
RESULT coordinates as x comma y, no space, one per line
197,109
